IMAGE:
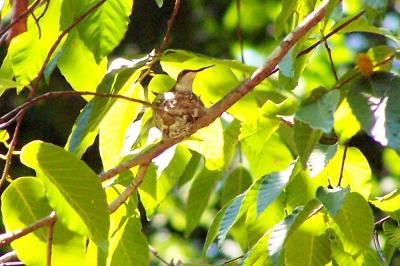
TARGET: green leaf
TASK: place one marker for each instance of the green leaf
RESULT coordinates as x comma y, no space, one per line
320,157
271,187
167,180
257,253
284,229
73,189
104,28
389,203
374,101
159,3
391,161
199,194
393,233
27,51
340,256
4,136
160,83
332,198
282,21
305,138
356,172
129,245
87,124
354,223
89,74
346,124
209,142
309,245
115,123
24,203
236,182
194,165
319,114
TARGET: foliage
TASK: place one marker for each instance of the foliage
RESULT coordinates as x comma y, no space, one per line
275,175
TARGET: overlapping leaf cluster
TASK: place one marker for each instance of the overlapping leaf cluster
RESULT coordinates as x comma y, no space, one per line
277,163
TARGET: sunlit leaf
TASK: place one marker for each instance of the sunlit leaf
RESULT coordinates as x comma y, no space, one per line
391,161
309,245
257,253
199,193
339,255
389,203
89,74
320,157
354,223
4,136
332,198
346,124
22,204
356,171
73,189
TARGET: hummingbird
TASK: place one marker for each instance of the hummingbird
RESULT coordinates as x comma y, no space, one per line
179,108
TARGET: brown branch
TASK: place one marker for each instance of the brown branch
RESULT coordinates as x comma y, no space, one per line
342,166
36,85
328,49
12,255
340,27
157,255
130,189
4,122
11,236
170,24
20,17
50,234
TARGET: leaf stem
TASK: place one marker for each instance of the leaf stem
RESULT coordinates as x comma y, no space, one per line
342,166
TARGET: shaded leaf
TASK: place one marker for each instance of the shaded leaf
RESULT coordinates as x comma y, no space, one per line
257,253
284,229
199,194
236,182
305,138
271,186
393,233
73,189
319,114
374,101
320,157
24,203
332,198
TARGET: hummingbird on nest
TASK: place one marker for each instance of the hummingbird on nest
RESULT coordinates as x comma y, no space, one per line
178,109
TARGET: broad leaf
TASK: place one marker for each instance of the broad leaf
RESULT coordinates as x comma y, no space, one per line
393,233
354,223
309,245
87,124
319,114
374,101
356,172
199,194
89,74
235,183
129,245
24,203
257,253
320,157
305,138
332,198
271,186
283,230
73,189
346,124
389,203
4,136
339,255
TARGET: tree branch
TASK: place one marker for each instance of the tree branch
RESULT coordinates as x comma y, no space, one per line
225,103
50,241
130,189
170,24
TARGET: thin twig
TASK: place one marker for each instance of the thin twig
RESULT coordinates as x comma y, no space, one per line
130,189
381,221
50,233
21,16
378,247
342,166
35,86
328,49
234,259
340,27
170,23
4,122
239,31
157,255
7,238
